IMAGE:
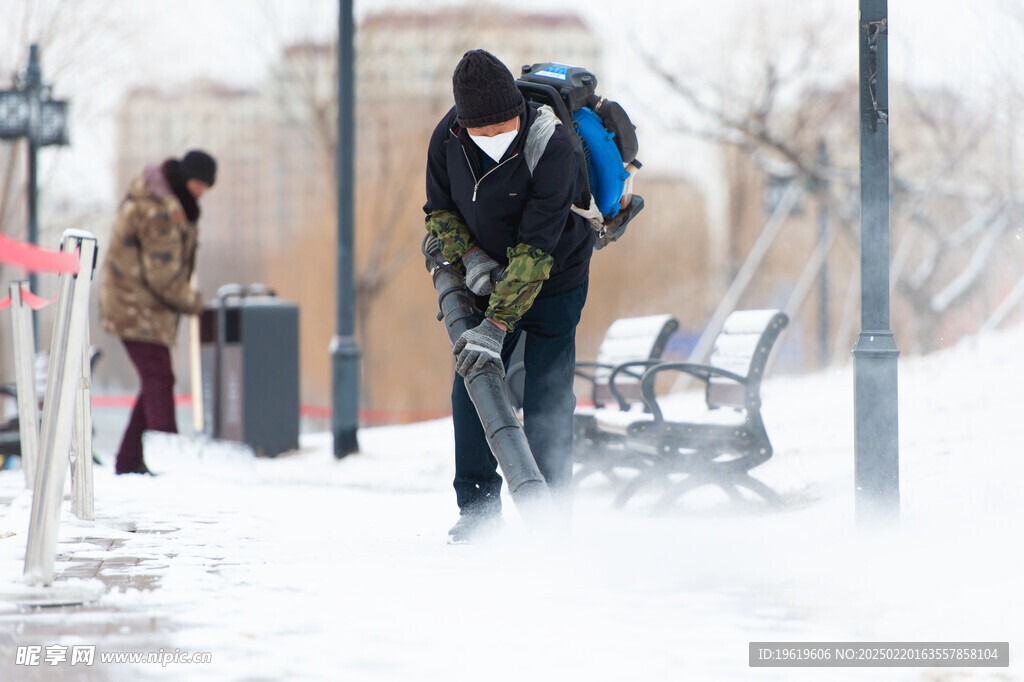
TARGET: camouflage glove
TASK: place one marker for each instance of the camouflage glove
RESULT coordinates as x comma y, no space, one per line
478,271
477,347
528,268
450,229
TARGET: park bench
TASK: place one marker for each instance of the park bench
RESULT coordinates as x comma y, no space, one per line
630,345
716,444
628,338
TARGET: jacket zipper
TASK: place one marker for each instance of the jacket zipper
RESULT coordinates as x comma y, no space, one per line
476,183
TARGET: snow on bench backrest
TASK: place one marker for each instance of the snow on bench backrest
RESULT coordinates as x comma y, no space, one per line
739,349
631,338
628,339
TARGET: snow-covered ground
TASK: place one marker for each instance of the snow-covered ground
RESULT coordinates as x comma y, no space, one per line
304,567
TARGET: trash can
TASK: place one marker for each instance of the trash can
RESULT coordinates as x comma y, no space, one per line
249,350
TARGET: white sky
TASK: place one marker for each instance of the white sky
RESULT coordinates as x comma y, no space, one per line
964,46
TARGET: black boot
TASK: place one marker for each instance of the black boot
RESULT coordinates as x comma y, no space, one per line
473,528
140,469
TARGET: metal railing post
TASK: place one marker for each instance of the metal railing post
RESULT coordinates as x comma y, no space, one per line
81,450
24,376
62,384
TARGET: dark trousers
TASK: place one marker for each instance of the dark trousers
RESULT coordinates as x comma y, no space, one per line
548,405
154,406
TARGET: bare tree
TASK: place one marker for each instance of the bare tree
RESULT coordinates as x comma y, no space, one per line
74,39
952,206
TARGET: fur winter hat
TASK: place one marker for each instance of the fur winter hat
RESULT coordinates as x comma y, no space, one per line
485,91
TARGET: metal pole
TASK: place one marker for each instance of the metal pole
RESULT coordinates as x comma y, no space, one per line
25,380
823,312
81,441
62,383
344,351
33,86
875,354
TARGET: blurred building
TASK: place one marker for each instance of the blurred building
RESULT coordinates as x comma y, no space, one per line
410,55
272,215
403,75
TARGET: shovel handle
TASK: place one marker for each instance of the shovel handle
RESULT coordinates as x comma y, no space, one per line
196,375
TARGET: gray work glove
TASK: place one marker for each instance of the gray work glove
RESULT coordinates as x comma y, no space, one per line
478,346
478,271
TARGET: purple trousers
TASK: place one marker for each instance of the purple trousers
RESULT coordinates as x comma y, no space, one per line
154,407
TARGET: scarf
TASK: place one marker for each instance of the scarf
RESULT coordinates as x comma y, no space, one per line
172,171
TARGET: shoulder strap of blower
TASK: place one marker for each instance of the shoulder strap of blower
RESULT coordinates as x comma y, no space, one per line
537,141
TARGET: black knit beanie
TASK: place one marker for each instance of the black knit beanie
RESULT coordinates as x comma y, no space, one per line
485,91
198,165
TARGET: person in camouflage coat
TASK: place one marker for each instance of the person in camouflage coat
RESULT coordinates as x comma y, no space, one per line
146,286
501,178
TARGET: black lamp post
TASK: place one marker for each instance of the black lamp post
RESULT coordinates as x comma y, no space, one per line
344,351
875,373
28,111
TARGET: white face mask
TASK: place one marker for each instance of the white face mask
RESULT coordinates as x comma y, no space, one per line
496,145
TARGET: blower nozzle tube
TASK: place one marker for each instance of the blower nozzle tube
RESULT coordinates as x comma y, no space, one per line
486,389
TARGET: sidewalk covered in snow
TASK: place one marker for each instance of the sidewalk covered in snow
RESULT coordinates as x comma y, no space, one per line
307,567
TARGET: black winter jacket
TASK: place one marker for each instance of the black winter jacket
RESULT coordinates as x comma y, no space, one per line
504,206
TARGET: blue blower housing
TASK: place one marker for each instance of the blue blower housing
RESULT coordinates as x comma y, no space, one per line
604,140
604,162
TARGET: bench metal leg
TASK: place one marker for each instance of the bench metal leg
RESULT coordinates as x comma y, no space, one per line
731,490
691,482
638,482
587,470
756,486
729,485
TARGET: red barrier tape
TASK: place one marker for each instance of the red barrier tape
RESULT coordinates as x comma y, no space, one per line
31,300
35,259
